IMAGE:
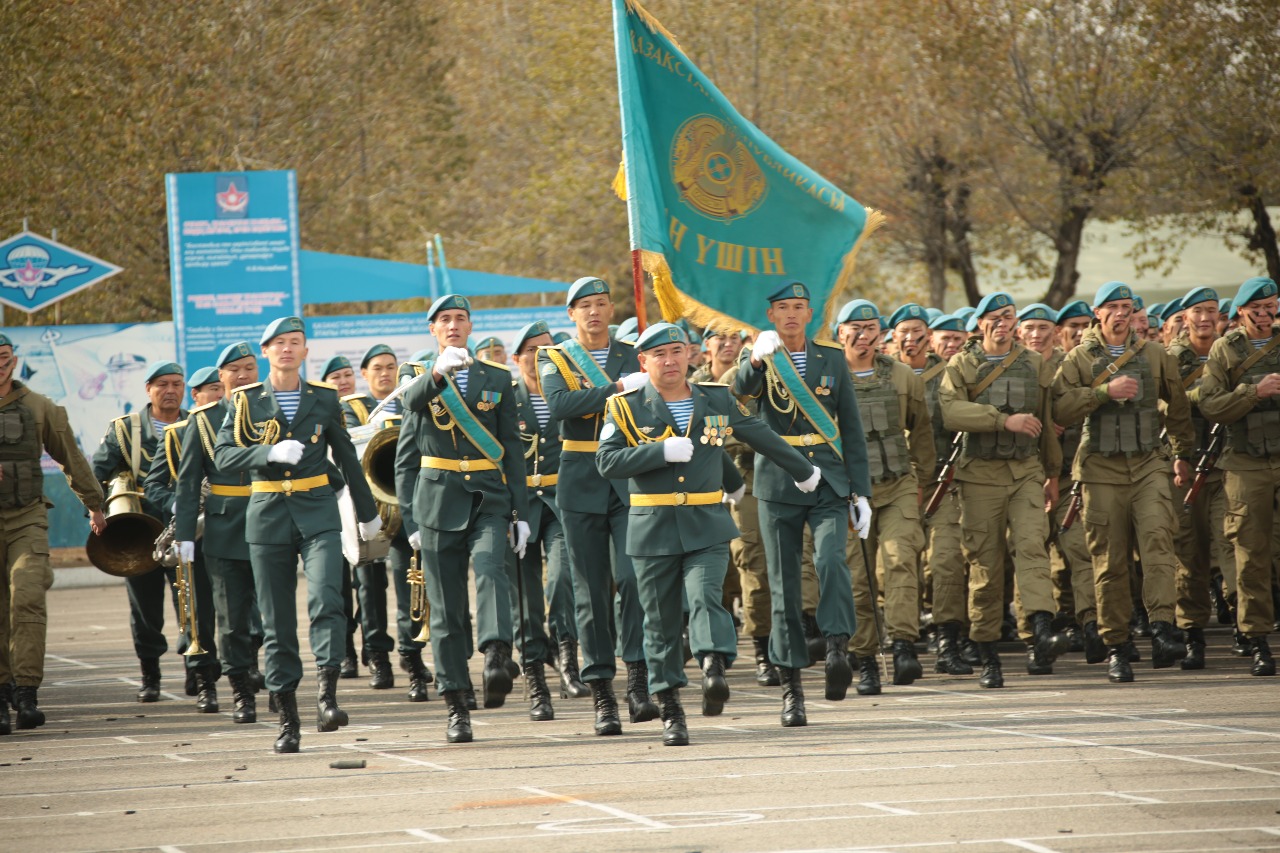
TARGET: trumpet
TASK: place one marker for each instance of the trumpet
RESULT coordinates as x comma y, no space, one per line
419,606
166,548
187,607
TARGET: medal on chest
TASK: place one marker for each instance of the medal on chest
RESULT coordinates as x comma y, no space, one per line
715,429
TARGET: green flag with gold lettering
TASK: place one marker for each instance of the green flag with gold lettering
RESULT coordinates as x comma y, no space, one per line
723,216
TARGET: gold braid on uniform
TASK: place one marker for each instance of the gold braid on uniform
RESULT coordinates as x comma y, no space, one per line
558,358
122,441
205,429
626,421
246,431
172,449
777,391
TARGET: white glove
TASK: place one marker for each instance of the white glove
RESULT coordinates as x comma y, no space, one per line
287,452
677,449
370,528
415,540
812,483
735,496
633,380
186,551
860,515
451,359
767,343
521,538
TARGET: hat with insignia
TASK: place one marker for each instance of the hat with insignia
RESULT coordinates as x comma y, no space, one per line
282,326
711,332
1038,311
156,369
910,311
857,309
1258,287
791,290
333,365
531,330
1153,321
1138,303
203,376
1170,308
659,334
234,352
1224,305
932,314
491,341
947,323
963,313
1111,292
561,337
588,285
1079,308
1196,295
1157,308
423,356
449,300
375,351
992,302
629,326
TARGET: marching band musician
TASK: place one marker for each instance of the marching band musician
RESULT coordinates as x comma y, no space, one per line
337,372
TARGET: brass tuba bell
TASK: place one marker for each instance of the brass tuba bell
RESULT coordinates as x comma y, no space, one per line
125,548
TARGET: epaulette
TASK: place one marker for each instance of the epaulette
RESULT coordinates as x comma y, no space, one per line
207,405
247,387
829,345
319,384
713,384
631,344
626,392
175,425
350,397
495,364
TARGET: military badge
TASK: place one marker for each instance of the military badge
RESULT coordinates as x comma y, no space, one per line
715,429
548,370
489,400
825,385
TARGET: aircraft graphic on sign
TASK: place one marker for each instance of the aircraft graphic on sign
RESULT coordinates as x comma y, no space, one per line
36,272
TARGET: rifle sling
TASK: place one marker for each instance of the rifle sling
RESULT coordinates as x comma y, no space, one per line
1114,367
1243,367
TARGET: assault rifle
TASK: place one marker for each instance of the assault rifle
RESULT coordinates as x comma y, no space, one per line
943,481
1075,500
1208,461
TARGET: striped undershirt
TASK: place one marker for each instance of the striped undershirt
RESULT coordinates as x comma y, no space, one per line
601,356
864,374
800,360
460,379
288,401
919,370
392,408
540,410
1203,359
681,410
1116,350
1260,343
158,426
996,357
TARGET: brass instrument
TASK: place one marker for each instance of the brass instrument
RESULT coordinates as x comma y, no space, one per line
375,444
125,548
166,548
419,606
183,584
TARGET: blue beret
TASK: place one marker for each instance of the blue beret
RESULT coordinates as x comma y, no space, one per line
156,369
857,309
1157,308
423,356
1153,321
630,337
561,337
338,362
992,302
1224,305
910,311
234,352
585,286
1079,308
531,330
1038,311
1196,295
280,327
1171,308
375,351
203,376
449,300
1259,287
711,332
933,313
963,314
947,323
790,290
491,341
1138,303
628,326
1112,291
884,324
888,337
659,334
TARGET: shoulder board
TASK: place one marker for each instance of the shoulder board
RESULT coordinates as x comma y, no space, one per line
207,406
626,392
828,345
247,387
495,364
317,383
122,418
631,344
350,397
175,425
712,384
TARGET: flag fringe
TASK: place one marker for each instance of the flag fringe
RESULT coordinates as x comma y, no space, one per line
844,281
654,25
676,305
620,181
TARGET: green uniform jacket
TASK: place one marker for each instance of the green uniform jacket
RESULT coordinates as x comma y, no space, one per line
581,415
356,409
272,517
541,455
846,476
162,478
624,454
407,454
111,458
224,515
56,437
1225,402
442,500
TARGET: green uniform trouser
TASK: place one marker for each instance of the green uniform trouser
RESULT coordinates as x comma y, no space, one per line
664,582
235,603
749,562
527,590
782,528
1249,525
275,575
1071,551
588,537
1116,517
24,535
997,519
146,611
371,606
948,573
895,543
557,578
484,544
1200,543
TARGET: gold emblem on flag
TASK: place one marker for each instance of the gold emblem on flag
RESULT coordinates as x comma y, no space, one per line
713,170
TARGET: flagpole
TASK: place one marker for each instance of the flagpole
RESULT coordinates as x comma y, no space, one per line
637,276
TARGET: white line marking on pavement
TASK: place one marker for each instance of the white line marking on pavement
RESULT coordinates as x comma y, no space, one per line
1180,723
1027,845
177,757
169,848
890,809
427,836
610,810
733,729
1134,798
419,762
124,739
71,661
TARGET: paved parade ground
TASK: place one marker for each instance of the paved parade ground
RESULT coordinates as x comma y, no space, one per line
1177,761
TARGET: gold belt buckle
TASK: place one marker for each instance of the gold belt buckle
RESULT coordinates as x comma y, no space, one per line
808,439
464,465
681,498
536,479
286,486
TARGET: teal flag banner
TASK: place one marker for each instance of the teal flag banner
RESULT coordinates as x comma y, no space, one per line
722,215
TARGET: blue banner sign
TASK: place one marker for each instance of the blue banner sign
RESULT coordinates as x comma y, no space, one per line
36,271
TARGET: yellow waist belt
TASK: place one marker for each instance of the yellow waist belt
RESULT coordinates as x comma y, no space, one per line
306,484
541,480
241,491
807,440
458,464
678,499
580,446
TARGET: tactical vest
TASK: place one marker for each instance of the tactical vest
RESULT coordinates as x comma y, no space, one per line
1070,441
1188,363
887,456
941,437
1016,392
20,450
1258,433
1133,427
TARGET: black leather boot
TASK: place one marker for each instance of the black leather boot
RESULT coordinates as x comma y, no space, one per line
1220,607
1131,651
571,686
675,732
949,660
1119,671
189,684
540,710
766,672
246,710
1263,664
1049,645
290,726
1168,645
607,720
29,715
1240,645
906,667
206,690
715,689
6,699
469,696
992,676
969,651
380,675
419,675
1095,651
350,667
150,690
868,676
459,729
839,675
793,714
329,717
1037,664
816,643
639,704
1195,649
497,678
1139,624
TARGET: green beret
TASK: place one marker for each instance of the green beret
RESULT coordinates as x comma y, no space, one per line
333,365
203,376
561,337
234,352
1079,308
162,368
531,330
1196,295
659,334
375,351
280,327
423,356
1259,287
586,286
1111,292
791,290
491,341
910,311
1170,308
629,326
947,323
449,300
1038,311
